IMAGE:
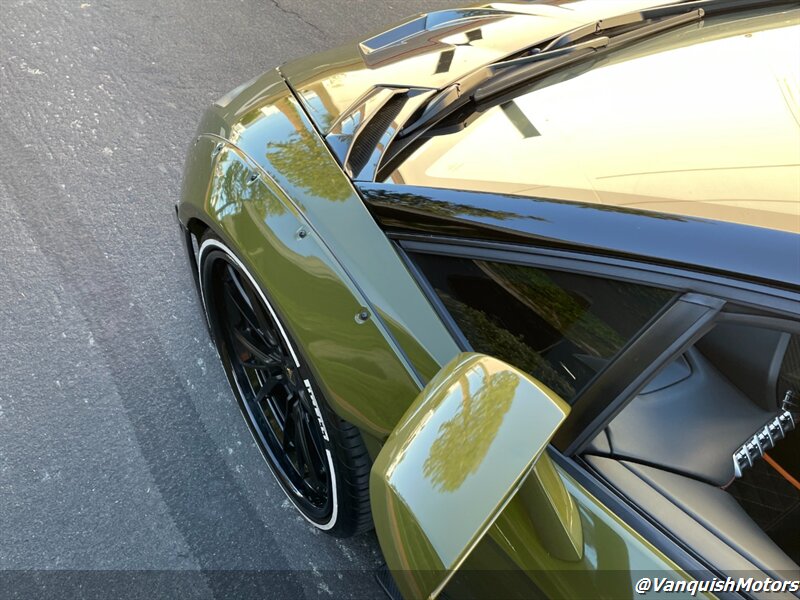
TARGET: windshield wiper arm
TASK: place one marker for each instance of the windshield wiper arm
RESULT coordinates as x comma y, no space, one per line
523,69
579,33
499,77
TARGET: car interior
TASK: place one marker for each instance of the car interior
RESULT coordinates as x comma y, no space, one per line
670,450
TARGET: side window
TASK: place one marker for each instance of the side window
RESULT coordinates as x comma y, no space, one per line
560,327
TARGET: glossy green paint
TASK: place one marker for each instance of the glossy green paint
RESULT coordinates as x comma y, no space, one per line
452,464
341,266
553,512
515,560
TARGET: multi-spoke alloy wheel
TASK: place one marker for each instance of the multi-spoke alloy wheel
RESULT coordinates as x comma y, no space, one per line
304,443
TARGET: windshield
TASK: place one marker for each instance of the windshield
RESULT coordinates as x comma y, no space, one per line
701,121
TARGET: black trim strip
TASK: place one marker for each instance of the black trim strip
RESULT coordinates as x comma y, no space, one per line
764,321
743,293
754,256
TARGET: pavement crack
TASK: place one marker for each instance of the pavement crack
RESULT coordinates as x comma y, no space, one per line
297,15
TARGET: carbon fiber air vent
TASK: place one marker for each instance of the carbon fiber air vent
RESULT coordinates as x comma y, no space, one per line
370,135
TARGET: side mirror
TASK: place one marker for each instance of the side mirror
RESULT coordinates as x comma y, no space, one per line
455,460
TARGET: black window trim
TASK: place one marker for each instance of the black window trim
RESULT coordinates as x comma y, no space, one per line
743,293
438,306
724,313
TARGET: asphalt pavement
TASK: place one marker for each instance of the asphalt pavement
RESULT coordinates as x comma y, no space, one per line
125,467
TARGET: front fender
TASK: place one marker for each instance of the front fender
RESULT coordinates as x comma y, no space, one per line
261,177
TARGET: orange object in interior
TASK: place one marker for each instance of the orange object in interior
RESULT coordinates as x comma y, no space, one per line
784,473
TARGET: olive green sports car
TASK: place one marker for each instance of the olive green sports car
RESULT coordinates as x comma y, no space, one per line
518,285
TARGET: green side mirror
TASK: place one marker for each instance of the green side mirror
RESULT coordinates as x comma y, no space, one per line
455,459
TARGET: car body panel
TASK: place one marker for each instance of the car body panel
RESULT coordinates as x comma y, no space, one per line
267,124
300,186
614,556
350,357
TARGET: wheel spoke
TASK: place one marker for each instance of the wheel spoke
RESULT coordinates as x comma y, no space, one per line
268,360
288,402
303,455
260,365
265,390
273,403
313,465
241,302
317,446
288,430
265,325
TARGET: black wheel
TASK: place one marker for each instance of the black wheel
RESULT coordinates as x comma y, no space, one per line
318,459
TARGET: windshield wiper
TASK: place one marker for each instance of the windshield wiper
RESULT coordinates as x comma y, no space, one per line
520,70
494,79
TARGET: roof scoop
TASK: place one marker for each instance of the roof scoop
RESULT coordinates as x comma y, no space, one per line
425,33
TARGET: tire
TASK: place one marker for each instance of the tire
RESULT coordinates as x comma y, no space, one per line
318,459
